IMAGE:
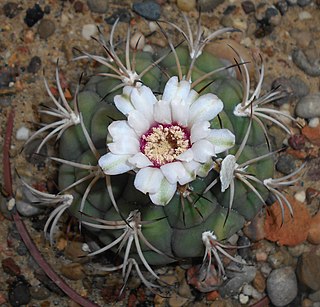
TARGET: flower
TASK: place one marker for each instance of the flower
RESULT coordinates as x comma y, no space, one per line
166,142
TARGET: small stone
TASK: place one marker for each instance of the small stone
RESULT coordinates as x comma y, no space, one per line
89,30
307,303
305,15
46,28
39,292
122,14
255,230
300,196
312,134
308,270
34,65
282,6
208,5
10,267
176,300
315,296
300,59
98,6
184,289
273,16
261,256
137,41
22,134
47,9
73,271
10,9
73,250
78,7
149,10
243,299
311,194
33,15
297,141
280,258
282,286
286,164
19,293
309,106
314,230
186,5
314,122
248,7
244,252
304,3
259,282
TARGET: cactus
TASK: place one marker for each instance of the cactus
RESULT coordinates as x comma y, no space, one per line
158,178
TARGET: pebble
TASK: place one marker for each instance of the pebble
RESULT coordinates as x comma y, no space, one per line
248,7
300,59
10,266
78,7
208,5
176,300
149,10
309,106
300,196
259,282
282,6
34,65
282,286
245,252
73,271
255,230
243,299
29,152
19,293
11,9
305,15
304,3
314,230
297,141
89,30
46,28
98,6
33,15
251,291
122,14
280,258
39,292
308,270
237,278
314,122
22,134
285,164
137,41
186,5
261,256
315,296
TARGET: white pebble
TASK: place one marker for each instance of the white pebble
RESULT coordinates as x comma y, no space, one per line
22,134
153,26
148,48
314,122
305,15
233,239
89,30
243,299
137,41
300,196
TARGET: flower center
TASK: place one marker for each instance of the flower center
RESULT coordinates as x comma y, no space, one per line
163,143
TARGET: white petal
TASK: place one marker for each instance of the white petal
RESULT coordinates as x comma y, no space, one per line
222,139
123,103
165,193
125,146
186,156
183,90
139,160
180,112
148,180
174,172
192,168
162,112
205,168
138,122
206,107
120,128
228,166
115,164
199,130
170,89
203,150
143,100
192,97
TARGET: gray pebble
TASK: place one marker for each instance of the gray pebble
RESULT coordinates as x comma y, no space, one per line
34,65
248,6
282,6
19,293
98,6
292,2
304,3
208,5
282,286
286,164
315,296
237,278
309,106
39,292
25,206
46,28
149,10
300,59
10,9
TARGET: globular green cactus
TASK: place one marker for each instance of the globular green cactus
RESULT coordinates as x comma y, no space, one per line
163,159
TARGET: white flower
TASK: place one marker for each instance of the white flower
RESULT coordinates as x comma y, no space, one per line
166,142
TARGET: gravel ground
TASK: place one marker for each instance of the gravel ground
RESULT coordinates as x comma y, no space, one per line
34,35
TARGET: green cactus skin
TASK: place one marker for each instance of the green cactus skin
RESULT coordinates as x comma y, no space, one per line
174,229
